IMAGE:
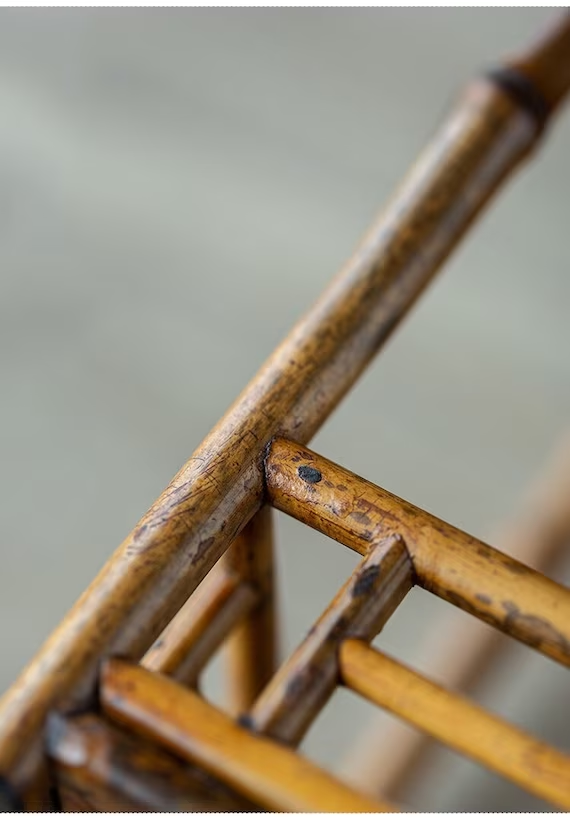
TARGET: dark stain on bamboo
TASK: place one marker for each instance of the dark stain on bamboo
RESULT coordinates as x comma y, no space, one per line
108,769
366,581
542,631
448,562
309,474
221,487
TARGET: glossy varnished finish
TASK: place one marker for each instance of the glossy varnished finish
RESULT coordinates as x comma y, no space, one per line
271,775
462,725
448,562
253,644
302,686
101,767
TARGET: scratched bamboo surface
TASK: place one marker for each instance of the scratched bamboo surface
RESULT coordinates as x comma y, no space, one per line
454,565
150,576
409,495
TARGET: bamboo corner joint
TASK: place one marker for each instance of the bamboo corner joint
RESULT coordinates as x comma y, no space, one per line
108,715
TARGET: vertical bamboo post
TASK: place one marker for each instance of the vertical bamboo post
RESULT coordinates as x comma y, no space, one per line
252,646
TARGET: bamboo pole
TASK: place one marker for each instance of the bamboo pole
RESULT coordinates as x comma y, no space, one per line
270,775
448,562
208,503
252,646
200,626
302,686
457,722
459,655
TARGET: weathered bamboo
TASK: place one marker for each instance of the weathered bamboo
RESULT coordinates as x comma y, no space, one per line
457,722
220,488
382,760
265,772
200,626
448,562
302,686
106,769
252,645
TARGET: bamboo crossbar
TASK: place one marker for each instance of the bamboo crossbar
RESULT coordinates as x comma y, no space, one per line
302,686
446,561
200,627
198,570
461,652
457,722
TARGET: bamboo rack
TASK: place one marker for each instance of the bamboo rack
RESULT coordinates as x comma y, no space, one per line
109,714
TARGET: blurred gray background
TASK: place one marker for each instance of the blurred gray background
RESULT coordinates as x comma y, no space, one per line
176,188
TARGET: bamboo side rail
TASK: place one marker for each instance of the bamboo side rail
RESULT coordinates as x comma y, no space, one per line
253,644
200,626
271,775
215,494
302,686
100,767
457,722
459,655
448,562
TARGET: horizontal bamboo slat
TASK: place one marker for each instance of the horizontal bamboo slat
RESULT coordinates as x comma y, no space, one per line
265,772
448,562
302,686
101,767
457,722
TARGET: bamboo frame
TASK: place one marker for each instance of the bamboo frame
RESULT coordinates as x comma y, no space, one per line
459,655
448,562
256,455
302,686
